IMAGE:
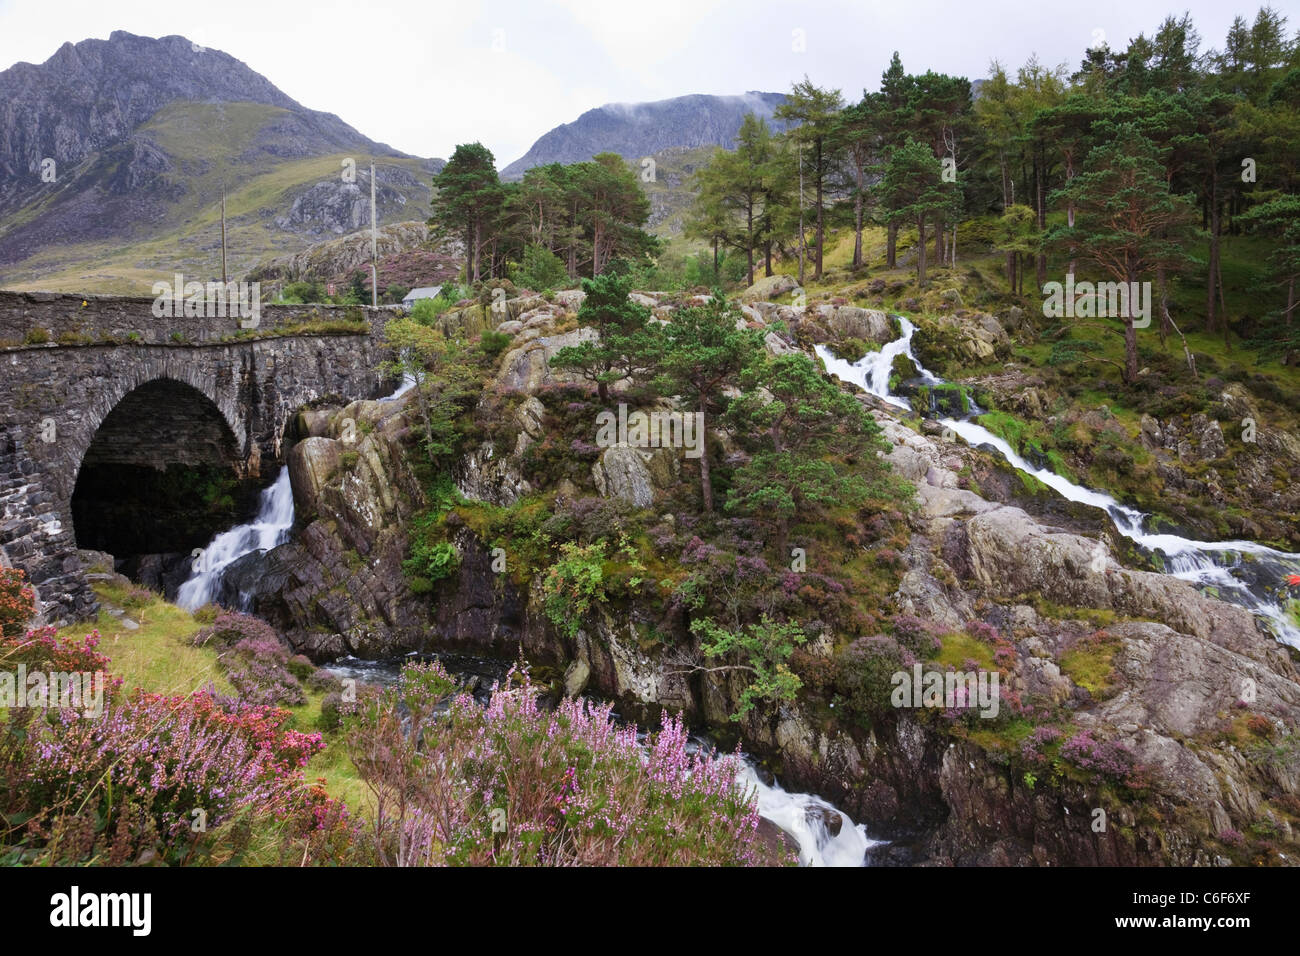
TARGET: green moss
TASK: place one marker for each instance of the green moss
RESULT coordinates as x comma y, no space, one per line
1090,664
958,648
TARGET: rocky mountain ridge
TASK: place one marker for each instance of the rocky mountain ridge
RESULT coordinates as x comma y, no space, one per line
114,155
635,130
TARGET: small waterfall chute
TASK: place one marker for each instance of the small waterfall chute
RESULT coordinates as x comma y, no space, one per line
268,530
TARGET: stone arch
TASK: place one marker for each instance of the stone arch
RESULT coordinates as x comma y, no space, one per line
160,473
170,364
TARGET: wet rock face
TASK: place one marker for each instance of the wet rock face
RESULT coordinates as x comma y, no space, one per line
338,587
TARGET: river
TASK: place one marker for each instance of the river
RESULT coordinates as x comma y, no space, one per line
1241,572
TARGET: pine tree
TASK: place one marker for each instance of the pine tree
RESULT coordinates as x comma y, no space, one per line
1126,218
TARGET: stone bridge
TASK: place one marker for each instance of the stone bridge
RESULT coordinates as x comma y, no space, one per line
131,434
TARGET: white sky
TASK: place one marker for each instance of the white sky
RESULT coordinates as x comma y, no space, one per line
423,75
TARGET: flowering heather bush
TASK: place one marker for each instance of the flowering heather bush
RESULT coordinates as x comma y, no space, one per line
17,602
983,632
1033,746
43,649
1104,757
864,675
919,636
138,597
141,770
255,660
1232,837
566,787
231,627
592,519
259,671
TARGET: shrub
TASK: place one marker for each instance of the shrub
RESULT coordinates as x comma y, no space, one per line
512,784
186,754
573,584
17,602
1033,747
1232,837
432,561
231,627
541,269
325,680
486,291
256,659
764,649
304,292
208,613
864,675
1106,758
919,636
138,597
43,649
494,343
330,711
36,336
817,671
258,670
300,667
426,311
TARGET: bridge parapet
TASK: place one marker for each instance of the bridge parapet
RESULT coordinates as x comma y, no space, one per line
59,318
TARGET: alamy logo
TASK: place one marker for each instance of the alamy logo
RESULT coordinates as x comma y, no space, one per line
76,690
947,689
103,909
657,429
213,300
1100,300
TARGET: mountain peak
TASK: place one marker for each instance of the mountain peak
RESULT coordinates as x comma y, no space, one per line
640,129
142,133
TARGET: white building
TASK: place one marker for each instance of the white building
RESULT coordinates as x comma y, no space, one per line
427,292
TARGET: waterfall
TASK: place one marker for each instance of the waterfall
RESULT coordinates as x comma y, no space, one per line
1242,572
803,816
407,383
269,529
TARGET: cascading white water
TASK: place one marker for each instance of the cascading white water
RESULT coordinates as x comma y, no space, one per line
407,383
803,816
269,529
871,372
1214,564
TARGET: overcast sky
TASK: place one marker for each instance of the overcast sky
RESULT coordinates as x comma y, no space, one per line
425,75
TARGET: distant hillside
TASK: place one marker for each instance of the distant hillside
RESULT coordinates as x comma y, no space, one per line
405,258
634,130
144,134
670,193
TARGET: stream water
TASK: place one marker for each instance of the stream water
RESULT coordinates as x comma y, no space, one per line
268,530
1242,572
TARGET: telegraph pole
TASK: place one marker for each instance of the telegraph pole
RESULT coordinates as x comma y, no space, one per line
374,244
225,279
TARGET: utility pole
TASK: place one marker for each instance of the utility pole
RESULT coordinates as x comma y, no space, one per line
374,244
801,232
225,279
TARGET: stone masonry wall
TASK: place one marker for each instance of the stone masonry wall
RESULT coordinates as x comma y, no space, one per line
53,398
